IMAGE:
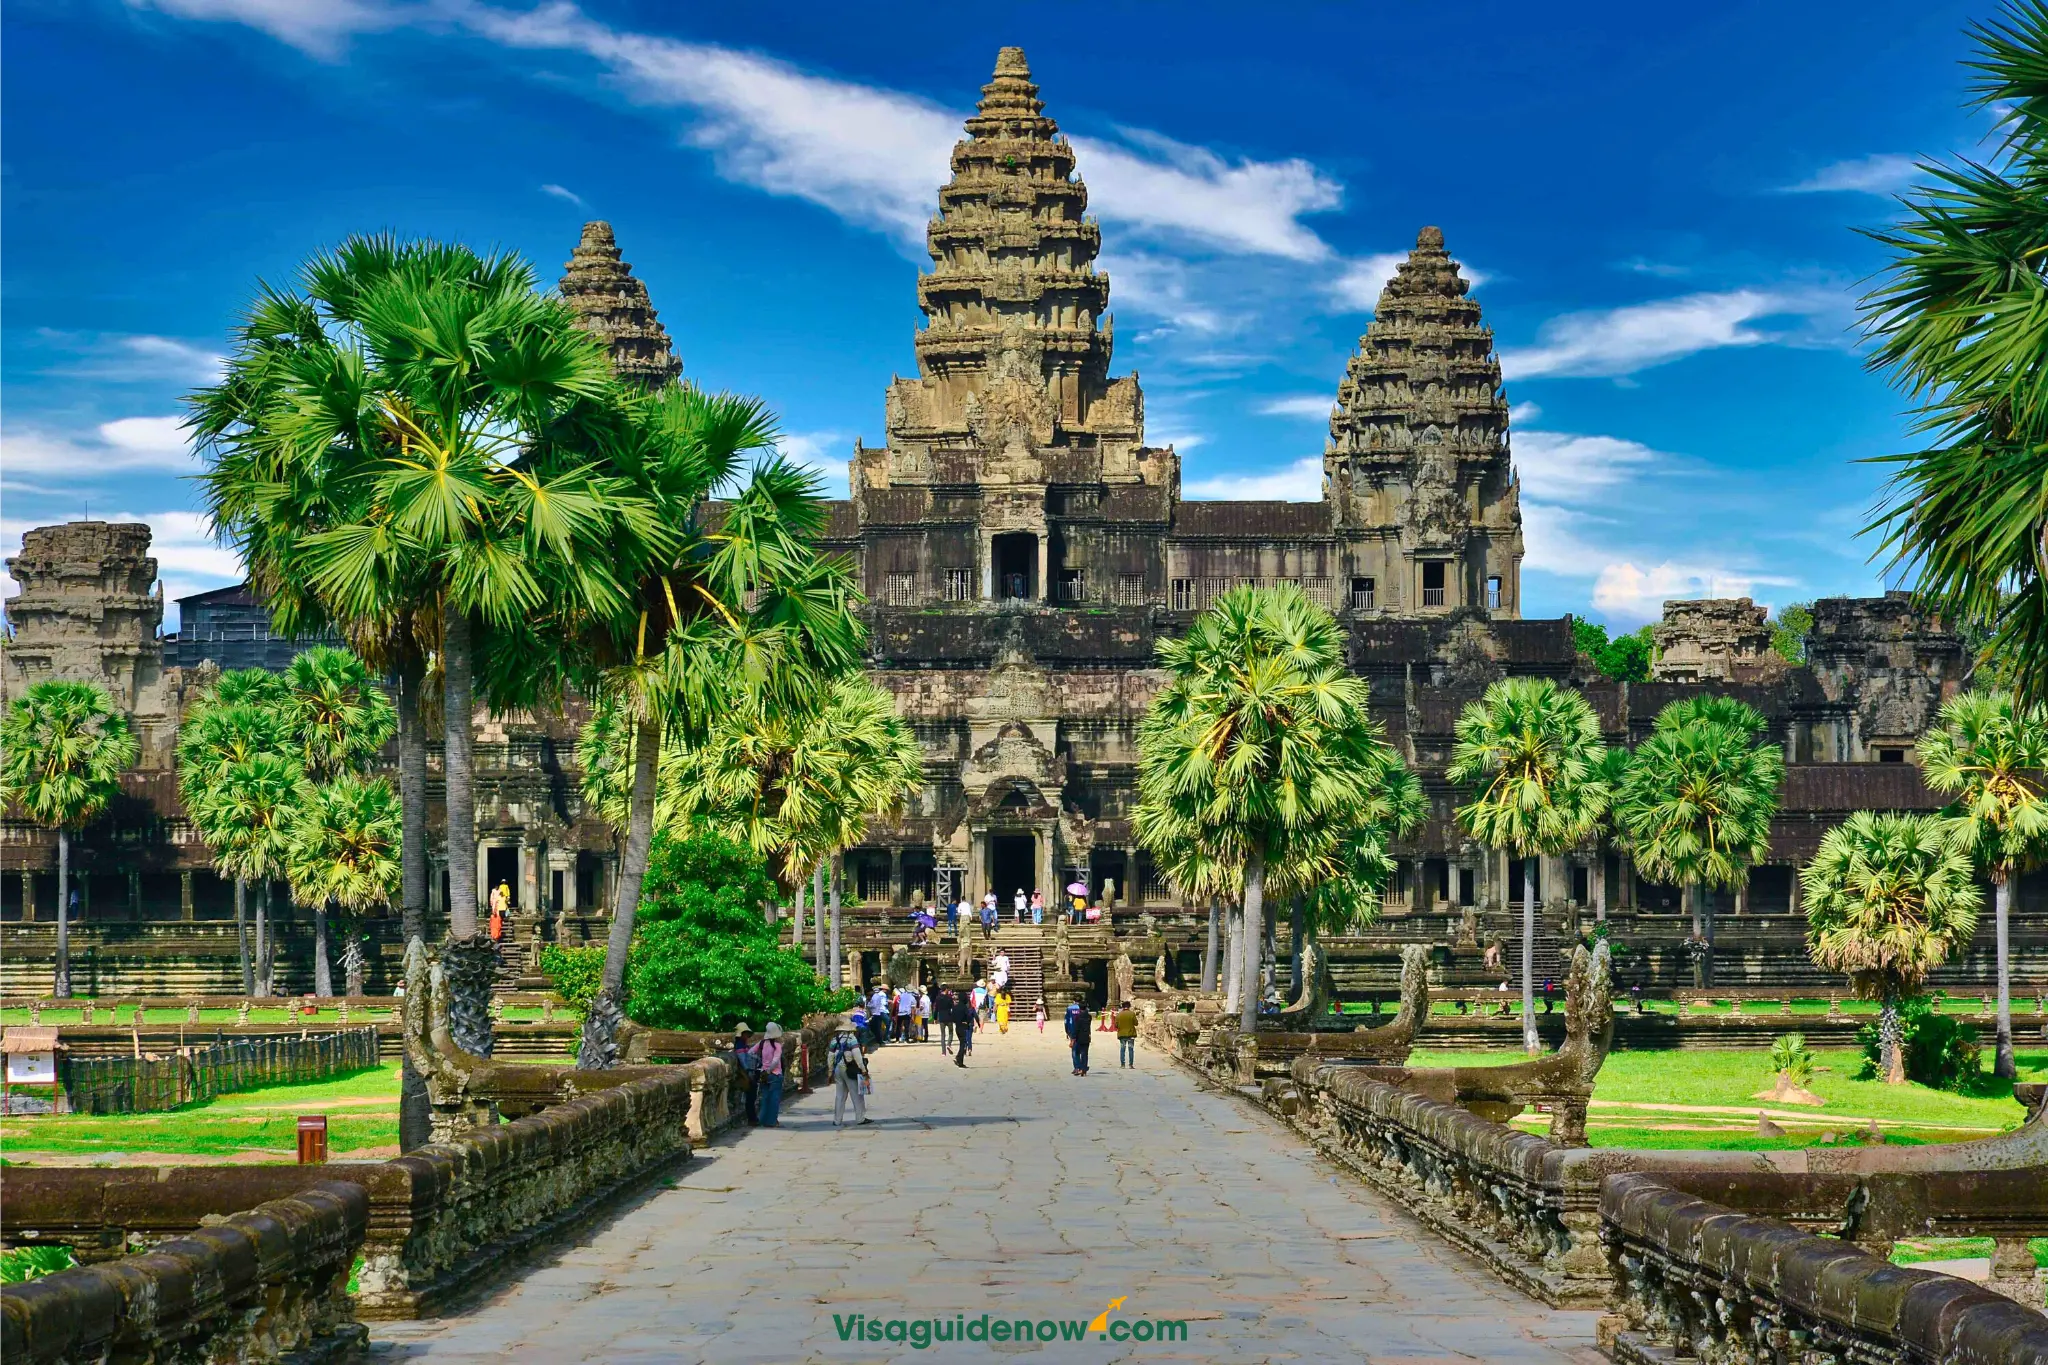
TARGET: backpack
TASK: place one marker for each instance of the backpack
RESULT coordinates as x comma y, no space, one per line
749,1059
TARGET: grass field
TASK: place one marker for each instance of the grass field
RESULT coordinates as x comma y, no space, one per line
1707,1099
1965,1006
361,1109
261,1014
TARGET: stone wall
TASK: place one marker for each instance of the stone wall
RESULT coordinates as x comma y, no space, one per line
264,1285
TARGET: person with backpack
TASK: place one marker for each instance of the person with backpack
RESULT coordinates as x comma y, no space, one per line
746,1055
1127,1035
1078,1022
964,1019
847,1064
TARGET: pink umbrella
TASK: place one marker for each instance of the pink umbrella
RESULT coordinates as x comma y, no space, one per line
1077,889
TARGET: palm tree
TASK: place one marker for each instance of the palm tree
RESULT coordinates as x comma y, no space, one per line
246,810
1959,321
400,447
65,749
1260,739
343,853
1530,755
1888,899
234,720
338,713
1696,802
1988,752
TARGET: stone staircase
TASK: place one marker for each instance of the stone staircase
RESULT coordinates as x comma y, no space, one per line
1026,946
1552,959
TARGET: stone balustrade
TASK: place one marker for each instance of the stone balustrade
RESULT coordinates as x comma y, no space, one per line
265,1285
1694,1278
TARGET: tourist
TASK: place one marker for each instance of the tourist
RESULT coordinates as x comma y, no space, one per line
771,1055
963,1027
1546,994
1021,902
1000,976
1038,907
1635,995
906,1005
943,1004
746,1055
878,1014
1002,1009
953,916
1127,1036
923,1015
1078,1022
846,1063
1041,1014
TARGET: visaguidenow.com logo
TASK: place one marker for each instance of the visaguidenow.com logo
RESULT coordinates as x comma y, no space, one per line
994,1328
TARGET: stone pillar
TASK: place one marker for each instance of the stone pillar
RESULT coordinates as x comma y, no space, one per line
437,869
1046,869
483,875
185,895
1742,899
1134,884
896,897
977,866
1044,589
28,896
988,566
527,892
1797,890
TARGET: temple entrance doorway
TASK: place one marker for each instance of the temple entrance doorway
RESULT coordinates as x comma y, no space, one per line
502,868
1016,565
1012,862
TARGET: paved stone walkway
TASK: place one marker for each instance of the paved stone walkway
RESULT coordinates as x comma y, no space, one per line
1016,1190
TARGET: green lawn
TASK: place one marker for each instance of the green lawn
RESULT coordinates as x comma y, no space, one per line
262,1014
361,1109
1966,1006
1677,1099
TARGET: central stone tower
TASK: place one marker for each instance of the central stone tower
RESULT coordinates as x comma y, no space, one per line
1013,422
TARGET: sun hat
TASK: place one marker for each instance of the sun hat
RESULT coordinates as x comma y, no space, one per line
774,1030
846,1026
742,1028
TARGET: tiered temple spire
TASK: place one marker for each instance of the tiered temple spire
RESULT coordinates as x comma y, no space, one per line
1425,365
611,304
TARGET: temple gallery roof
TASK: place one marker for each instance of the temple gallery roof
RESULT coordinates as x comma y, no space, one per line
1253,520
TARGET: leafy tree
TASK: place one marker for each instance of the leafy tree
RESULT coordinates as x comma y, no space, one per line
1987,751
1936,1049
336,710
65,749
1625,658
576,971
703,957
1961,322
1697,799
247,810
1259,741
343,853
402,448
1529,754
1888,899
1789,631
237,719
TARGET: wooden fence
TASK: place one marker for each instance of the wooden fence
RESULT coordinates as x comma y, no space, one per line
134,1085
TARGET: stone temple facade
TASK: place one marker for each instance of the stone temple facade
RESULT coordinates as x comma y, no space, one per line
1024,550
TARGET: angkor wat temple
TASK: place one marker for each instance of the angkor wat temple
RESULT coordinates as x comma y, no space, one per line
1024,549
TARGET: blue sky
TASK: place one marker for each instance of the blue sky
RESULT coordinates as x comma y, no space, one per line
1659,203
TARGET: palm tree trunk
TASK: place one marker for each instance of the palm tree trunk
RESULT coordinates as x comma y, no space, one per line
242,934
263,939
834,976
818,920
600,1046
323,974
1530,1044
796,928
1599,871
1891,1038
467,958
1254,919
1690,895
61,987
1296,926
1209,954
2002,1064
415,1113
1233,957
1706,905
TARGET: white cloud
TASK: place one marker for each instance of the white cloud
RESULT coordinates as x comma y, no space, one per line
1883,173
1161,287
1357,287
133,358
1521,414
129,443
1632,595
1620,341
1301,481
1307,406
1557,466
1248,207
313,26
1552,540
825,453
563,192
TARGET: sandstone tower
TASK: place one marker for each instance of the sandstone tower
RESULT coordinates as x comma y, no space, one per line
1417,466
612,305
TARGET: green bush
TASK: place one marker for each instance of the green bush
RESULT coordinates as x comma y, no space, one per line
704,957
23,1264
573,972
1940,1050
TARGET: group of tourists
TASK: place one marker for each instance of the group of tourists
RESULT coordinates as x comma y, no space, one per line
763,1062
1025,908
1081,1023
